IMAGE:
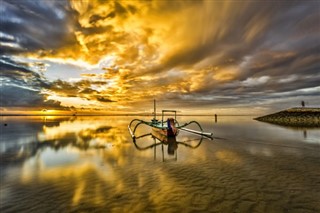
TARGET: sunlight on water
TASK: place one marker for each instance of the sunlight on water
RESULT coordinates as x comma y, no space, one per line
85,163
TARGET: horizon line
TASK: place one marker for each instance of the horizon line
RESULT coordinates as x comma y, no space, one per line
149,115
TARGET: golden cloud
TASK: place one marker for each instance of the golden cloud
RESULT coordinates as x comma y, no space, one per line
154,49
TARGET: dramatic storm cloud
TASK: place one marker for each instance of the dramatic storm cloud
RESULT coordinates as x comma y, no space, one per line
198,56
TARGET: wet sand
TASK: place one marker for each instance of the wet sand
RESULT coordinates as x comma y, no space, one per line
232,179
223,175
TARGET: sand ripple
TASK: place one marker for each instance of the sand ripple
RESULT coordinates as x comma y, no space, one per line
231,179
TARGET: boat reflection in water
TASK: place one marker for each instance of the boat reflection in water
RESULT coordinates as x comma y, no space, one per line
89,163
159,138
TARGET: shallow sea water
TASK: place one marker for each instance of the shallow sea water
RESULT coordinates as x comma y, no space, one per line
90,164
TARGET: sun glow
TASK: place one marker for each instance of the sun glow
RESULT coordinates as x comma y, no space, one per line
48,111
119,55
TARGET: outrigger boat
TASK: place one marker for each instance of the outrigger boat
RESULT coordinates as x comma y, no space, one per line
169,127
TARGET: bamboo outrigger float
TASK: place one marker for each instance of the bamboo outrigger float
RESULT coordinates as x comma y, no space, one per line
164,125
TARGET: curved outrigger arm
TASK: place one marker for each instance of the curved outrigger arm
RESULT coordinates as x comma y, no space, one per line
152,124
142,136
135,127
190,146
145,148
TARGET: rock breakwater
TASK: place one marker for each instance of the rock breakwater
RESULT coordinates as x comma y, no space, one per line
297,117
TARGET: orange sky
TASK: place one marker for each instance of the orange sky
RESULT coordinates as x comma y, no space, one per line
229,57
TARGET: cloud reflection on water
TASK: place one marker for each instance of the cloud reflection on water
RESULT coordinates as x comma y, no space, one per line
59,166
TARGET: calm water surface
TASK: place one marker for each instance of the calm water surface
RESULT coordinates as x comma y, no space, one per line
85,164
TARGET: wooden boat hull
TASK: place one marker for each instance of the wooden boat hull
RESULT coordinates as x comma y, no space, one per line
163,132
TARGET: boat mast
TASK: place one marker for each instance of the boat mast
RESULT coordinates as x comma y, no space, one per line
154,110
